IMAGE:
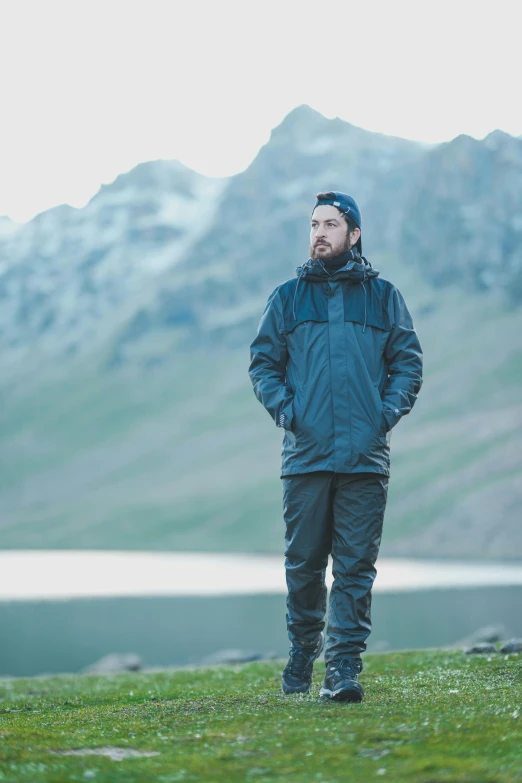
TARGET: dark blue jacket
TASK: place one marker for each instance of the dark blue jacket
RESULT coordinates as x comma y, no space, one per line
336,362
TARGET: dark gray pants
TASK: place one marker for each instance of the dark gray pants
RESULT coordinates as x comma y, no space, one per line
339,514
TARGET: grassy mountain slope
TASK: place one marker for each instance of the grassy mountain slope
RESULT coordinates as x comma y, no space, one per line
127,418
184,457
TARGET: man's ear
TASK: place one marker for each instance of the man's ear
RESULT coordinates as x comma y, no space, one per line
354,236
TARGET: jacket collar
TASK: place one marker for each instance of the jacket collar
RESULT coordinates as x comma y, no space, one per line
356,269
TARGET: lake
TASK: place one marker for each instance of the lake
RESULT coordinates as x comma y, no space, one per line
61,611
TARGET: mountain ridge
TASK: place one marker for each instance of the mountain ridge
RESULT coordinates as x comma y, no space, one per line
128,419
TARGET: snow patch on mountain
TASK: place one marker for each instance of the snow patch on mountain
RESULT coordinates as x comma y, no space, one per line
68,272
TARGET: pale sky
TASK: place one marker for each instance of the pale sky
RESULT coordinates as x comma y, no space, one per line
91,88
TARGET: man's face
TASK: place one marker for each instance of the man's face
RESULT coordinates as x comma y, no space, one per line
329,235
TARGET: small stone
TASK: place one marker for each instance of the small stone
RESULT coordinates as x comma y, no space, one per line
482,648
234,656
115,663
373,753
114,753
488,633
513,646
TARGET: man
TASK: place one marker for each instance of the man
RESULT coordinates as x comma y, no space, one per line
337,363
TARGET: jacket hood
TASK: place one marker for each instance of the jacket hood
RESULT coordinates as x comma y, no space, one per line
356,269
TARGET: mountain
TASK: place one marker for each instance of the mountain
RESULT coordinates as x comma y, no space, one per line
259,232
463,216
7,226
68,274
127,415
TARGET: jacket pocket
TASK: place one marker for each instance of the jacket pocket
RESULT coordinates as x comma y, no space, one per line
296,407
286,415
384,424
380,419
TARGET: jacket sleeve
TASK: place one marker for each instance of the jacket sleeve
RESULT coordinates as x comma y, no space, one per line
268,360
403,355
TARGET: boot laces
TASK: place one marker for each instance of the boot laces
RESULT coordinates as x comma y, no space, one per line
300,659
350,667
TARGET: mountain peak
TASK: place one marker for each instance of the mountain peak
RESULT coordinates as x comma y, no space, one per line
303,112
301,116
152,174
8,226
497,138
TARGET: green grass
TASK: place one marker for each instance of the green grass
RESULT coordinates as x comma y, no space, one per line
428,717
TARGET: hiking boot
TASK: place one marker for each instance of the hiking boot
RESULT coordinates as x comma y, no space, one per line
340,682
297,674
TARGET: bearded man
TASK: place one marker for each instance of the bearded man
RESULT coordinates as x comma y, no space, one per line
337,363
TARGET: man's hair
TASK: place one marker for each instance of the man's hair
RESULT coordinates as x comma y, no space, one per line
330,197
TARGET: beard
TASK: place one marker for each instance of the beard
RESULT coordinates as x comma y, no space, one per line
327,253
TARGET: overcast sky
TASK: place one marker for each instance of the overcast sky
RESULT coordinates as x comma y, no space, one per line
90,89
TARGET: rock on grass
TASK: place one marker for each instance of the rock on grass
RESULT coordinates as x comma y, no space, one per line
481,648
513,646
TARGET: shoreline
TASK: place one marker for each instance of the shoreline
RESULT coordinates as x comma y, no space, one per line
50,575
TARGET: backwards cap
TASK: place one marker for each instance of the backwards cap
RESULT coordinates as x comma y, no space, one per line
347,205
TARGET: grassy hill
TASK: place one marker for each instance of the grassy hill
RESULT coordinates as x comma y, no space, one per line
182,456
127,418
428,716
